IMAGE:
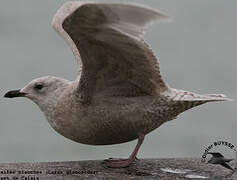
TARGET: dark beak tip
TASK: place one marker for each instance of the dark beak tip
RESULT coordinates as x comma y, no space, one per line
6,95
14,93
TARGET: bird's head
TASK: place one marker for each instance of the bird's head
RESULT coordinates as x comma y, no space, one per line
43,91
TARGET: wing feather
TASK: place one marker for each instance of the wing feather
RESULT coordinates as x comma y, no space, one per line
227,166
107,42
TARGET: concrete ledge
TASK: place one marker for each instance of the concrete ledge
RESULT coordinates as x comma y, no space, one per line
180,168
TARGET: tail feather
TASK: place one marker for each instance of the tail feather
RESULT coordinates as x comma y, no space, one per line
219,97
185,100
181,95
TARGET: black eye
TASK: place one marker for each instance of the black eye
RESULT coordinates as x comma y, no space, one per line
38,86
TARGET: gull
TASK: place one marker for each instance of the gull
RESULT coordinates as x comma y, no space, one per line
218,158
119,94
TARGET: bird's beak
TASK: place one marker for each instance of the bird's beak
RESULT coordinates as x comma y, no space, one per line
14,93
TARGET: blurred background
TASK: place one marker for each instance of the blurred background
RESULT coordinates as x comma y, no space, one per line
197,52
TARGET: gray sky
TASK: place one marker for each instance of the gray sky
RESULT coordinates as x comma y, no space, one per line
197,52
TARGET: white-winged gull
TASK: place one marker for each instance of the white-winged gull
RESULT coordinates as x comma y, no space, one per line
119,94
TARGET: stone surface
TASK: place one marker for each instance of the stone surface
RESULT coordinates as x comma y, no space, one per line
180,168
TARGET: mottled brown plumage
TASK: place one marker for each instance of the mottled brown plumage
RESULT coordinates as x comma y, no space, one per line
119,94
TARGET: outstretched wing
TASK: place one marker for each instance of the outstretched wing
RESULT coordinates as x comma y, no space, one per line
216,154
107,42
227,166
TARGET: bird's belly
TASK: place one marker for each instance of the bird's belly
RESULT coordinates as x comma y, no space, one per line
114,131
109,125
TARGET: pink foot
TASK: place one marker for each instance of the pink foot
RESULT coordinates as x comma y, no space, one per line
114,159
120,163
117,159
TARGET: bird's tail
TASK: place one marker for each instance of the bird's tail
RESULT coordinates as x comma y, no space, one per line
211,97
190,99
181,95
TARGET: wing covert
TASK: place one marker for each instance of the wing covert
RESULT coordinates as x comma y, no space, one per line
107,41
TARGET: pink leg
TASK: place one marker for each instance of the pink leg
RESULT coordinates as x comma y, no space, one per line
118,163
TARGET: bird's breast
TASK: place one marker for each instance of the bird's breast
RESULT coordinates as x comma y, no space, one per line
110,121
